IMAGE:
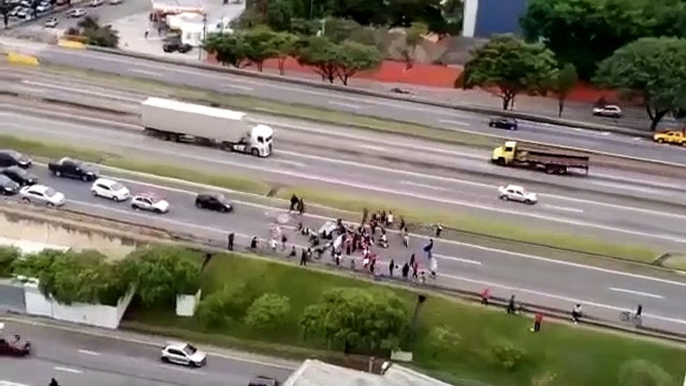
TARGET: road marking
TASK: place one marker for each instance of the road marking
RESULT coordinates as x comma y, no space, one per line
454,122
639,293
176,368
102,93
563,208
239,87
372,147
9,383
466,261
68,370
147,72
87,352
411,183
344,104
570,300
605,133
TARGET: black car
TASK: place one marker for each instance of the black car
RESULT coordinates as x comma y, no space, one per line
176,46
11,158
213,201
503,123
20,176
263,381
71,168
7,186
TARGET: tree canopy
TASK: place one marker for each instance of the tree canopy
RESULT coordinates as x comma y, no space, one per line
510,65
652,69
564,82
267,312
92,33
358,319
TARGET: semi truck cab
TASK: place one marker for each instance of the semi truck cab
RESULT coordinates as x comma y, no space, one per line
504,155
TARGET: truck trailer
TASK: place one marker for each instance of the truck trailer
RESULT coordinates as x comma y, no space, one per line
550,160
207,126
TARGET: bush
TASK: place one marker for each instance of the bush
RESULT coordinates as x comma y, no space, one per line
643,373
211,311
443,340
507,355
7,257
268,312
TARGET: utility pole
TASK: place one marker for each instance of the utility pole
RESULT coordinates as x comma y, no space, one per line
201,44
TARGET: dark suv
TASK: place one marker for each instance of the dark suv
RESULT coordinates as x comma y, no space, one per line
503,123
176,46
213,201
12,158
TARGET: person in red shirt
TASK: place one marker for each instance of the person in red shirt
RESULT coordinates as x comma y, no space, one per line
538,319
485,296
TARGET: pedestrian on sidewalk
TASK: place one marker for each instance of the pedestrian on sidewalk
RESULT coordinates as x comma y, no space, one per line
147,32
577,313
301,206
485,296
538,319
303,257
511,306
253,243
406,238
284,240
294,201
391,267
229,241
389,219
415,270
406,270
412,260
293,252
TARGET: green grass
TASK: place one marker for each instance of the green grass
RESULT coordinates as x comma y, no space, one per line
293,110
465,228
576,355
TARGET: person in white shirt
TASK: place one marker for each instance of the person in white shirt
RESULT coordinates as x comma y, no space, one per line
434,267
577,313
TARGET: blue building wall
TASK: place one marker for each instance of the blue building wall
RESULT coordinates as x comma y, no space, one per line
499,17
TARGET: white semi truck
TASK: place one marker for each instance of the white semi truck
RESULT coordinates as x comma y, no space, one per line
208,126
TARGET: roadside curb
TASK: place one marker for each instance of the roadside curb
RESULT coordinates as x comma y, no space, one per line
360,91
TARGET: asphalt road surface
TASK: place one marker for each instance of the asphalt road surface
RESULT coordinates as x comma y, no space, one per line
448,119
77,359
604,291
608,209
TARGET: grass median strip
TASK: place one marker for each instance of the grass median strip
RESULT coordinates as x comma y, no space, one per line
454,339
460,227
292,110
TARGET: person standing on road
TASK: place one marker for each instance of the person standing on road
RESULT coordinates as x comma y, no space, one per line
229,243
406,270
434,268
284,240
303,258
538,319
391,267
294,201
301,206
428,248
485,296
511,306
147,32
253,243
577,313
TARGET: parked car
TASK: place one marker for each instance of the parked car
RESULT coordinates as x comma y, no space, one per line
41,194
12,158
517,193
263,381
213,201
183,354
610,111
176,46
15,12
43,8
20,176
110,189
503,123
51,23
116,2
75,13
71,168
8,187
149,202
96,3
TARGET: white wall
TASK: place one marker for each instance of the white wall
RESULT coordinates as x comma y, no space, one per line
90,314
187,304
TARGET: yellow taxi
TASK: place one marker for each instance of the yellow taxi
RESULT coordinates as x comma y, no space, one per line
674,137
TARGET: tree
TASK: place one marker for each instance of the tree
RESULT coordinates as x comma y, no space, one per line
339,30
512,66
5,9
564,82
413,37
229,49
279,14
89,28
259,46
354,57
358,319
643,373
284,44
652,69
159,274
364,12
321,55
211,310
402,13
268,312
8,255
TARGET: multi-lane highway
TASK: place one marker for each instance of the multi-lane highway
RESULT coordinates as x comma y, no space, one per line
604,291
86,357
610,204
448,119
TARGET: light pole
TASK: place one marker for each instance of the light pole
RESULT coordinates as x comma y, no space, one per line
203,36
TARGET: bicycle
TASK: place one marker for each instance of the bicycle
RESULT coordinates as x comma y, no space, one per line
630,317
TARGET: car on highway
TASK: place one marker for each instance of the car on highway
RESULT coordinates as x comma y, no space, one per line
610,111
71,168
12,158
51,23
20,176
213,201
41,194
517,193
183,354
14,346
672,137
8,187
263,381
110,189
116,2
503,123
149,202
75,13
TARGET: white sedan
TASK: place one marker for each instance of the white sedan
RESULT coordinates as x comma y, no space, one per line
517,193
110,189
42,194
610,111
183,354
150,203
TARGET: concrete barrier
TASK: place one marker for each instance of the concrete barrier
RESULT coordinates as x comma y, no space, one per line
360,91
22,59
71,44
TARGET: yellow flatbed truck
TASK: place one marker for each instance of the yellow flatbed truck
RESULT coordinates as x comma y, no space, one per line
549,160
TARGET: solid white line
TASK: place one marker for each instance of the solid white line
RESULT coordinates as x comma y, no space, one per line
68,370
411,183
639,293
107,94
372,147
238,87
454,122
146,72
563,208
343,104
466,261
87,352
